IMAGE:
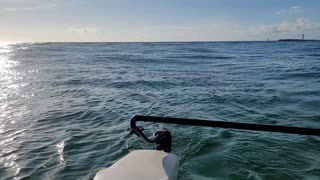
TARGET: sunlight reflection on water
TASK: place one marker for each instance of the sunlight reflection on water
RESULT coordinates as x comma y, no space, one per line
8,89
60,148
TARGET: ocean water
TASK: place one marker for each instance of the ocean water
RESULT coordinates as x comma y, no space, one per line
65,107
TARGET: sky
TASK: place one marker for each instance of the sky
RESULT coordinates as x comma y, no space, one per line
157,20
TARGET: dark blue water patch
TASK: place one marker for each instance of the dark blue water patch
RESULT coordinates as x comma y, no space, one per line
197,50
314,55
292,75
304,75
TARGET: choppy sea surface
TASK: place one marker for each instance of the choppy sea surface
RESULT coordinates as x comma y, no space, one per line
65,107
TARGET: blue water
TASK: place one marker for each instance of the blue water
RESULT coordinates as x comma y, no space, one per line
65,107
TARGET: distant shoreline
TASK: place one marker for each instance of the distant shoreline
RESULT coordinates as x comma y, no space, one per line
298,40
280,40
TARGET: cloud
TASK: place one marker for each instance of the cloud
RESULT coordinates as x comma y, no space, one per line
31,5
289,11
300,24
287,29
226,31
29,8
84,34
199,31
84,30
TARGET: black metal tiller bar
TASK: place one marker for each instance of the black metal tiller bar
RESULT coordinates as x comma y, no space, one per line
217,124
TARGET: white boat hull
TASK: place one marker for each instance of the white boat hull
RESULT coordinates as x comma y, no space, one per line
142,165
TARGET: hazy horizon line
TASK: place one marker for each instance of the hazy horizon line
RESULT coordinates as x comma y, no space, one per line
200,41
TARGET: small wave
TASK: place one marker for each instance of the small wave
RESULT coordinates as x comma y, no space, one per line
200,57
142,84
304,75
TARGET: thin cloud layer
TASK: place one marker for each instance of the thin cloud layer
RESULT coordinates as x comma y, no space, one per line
287,29
289,11
31,5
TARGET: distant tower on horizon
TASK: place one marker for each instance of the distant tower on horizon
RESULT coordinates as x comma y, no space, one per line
302,37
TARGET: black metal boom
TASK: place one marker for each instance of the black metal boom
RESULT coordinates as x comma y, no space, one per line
218,124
